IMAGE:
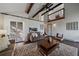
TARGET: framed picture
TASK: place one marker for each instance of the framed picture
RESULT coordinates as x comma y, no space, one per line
32,29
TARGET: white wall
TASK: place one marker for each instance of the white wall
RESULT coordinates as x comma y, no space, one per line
71,15
1,21
26,24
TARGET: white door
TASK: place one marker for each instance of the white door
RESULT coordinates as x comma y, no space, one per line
16,30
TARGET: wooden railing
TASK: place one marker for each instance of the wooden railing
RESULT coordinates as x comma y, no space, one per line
60,15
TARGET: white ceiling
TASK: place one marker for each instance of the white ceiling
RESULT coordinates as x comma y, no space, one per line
36,7
19,8
14,8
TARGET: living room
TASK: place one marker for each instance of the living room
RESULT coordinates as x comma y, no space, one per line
52,20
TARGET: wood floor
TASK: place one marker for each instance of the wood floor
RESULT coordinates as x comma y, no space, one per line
11,49
75,44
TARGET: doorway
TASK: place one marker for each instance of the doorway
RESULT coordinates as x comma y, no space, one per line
49,27
16,31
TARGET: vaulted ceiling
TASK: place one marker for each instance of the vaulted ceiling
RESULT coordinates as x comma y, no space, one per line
19,8
28,10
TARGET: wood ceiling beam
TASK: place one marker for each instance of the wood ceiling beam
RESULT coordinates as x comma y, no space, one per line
45,6
52,8
29,8
19,16
50,4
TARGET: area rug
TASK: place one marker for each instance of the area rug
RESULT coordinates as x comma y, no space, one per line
32,50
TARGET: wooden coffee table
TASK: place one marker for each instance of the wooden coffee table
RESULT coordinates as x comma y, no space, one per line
46,47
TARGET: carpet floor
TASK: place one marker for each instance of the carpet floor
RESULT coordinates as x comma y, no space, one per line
32,50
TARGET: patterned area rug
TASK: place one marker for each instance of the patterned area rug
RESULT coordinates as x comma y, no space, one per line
31,50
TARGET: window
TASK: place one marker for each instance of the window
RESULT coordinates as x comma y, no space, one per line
72,26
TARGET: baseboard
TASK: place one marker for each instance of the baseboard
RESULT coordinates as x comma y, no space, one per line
72,40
